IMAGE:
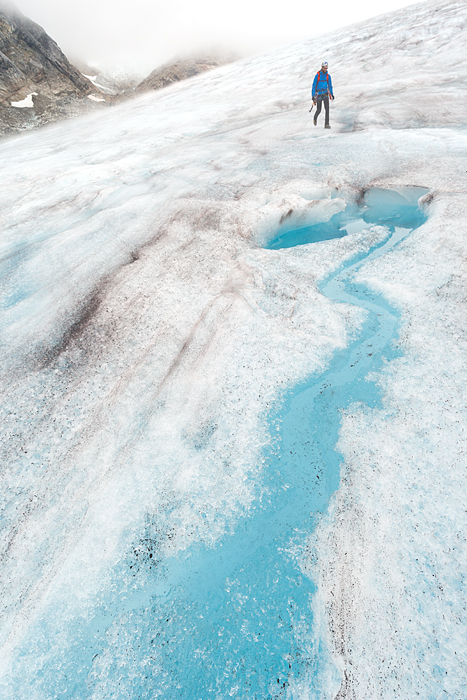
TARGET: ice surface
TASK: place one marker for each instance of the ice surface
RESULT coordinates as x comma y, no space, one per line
152,346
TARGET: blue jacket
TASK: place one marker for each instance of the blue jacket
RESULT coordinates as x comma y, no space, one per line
322,84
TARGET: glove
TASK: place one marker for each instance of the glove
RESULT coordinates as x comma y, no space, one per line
332,97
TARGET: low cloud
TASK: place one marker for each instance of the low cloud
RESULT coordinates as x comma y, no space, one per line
140,35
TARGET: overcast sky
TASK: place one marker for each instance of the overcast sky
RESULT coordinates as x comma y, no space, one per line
141,34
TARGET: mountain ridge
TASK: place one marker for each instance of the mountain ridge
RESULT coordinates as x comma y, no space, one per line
38,83
180,69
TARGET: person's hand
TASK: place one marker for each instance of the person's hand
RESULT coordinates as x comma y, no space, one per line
332,97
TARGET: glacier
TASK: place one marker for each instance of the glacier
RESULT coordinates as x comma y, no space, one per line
194,502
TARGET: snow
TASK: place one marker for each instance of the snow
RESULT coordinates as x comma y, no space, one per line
151,345
27,102
93,80
98,83
96,99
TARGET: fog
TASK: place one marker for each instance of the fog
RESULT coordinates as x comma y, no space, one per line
140,35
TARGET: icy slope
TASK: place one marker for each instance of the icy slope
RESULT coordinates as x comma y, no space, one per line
147,339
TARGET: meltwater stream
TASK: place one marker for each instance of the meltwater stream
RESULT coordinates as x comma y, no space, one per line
235,620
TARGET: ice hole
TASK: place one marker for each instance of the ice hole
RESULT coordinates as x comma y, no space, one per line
397,209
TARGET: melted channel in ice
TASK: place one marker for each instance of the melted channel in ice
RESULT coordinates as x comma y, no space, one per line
234,620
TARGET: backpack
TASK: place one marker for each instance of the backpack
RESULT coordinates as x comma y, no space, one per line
327,80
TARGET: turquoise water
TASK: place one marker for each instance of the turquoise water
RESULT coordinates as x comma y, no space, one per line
380,207
231,621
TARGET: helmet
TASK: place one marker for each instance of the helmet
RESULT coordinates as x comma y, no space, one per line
324,64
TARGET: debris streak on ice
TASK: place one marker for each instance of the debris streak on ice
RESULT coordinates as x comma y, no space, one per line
148,336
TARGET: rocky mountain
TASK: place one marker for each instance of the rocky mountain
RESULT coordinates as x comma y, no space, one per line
37,82
180,69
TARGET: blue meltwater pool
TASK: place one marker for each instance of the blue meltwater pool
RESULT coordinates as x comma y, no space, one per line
397,210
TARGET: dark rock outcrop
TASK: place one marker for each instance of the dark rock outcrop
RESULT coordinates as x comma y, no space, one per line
31,63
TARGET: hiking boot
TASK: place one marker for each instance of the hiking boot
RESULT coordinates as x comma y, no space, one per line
327,126
315,121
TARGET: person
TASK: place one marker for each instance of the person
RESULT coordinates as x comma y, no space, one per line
321,92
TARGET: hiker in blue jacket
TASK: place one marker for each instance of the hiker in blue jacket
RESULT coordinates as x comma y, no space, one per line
321,92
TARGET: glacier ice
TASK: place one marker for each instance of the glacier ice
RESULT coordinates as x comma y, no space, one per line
151,349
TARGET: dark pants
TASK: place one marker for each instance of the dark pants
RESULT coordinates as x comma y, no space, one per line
319,101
